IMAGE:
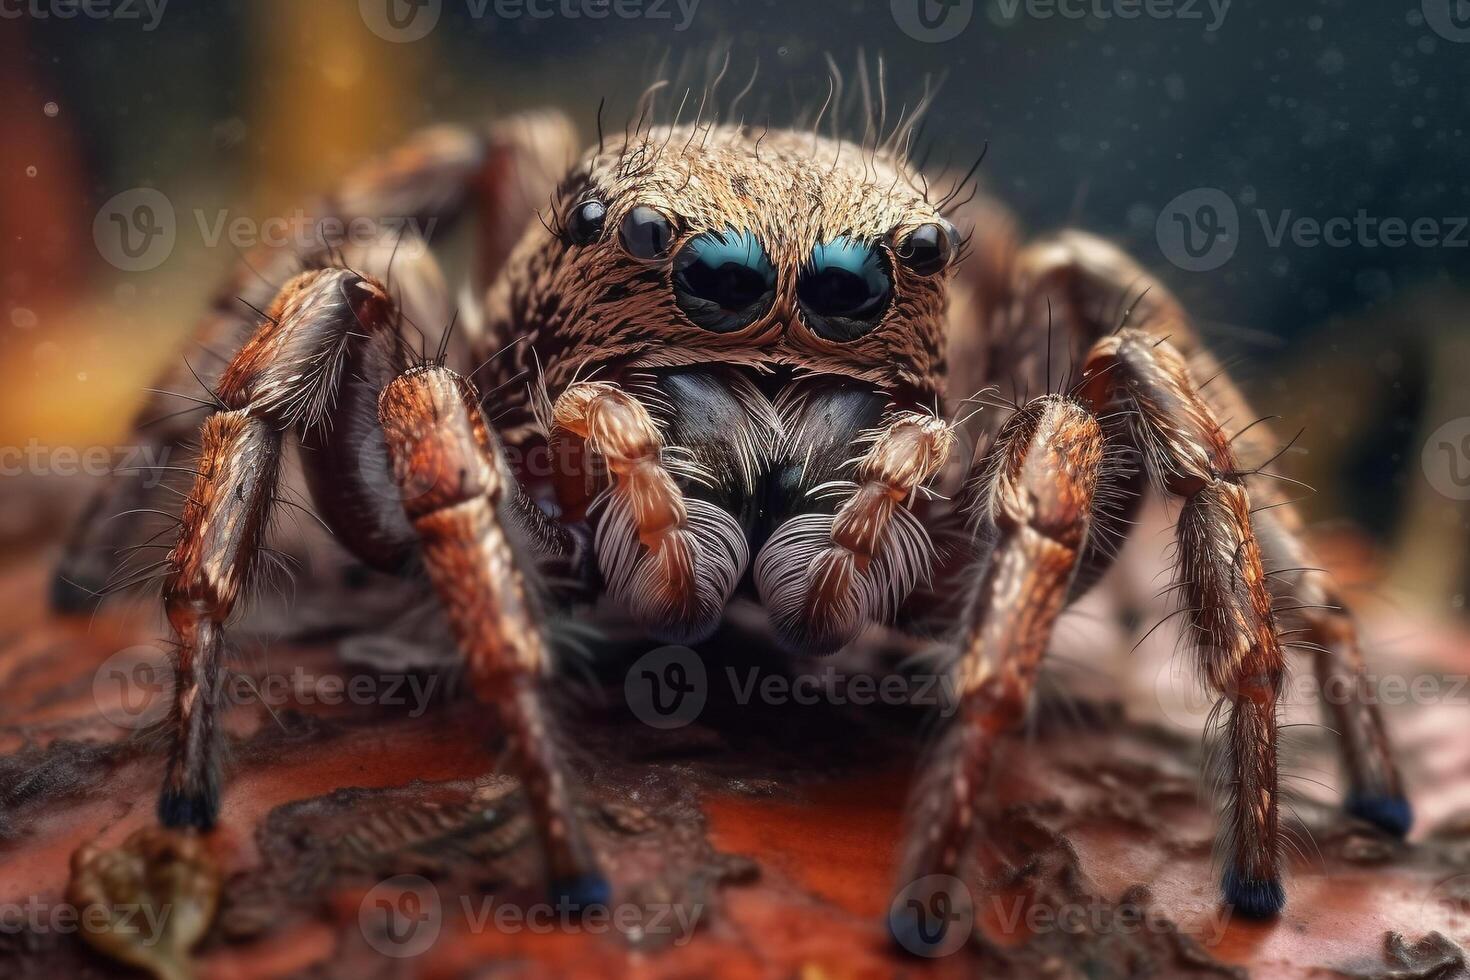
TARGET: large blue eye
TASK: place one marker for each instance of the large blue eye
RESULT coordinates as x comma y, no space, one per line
845,289
724,281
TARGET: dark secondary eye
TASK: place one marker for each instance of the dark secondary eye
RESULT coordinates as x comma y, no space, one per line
927,249
724,281
584,224
646,233
845,289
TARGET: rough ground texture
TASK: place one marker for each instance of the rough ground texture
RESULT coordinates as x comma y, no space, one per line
772,830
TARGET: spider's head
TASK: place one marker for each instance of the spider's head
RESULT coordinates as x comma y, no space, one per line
725,244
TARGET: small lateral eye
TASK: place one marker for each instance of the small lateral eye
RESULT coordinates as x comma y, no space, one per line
584,224
646,234
927,249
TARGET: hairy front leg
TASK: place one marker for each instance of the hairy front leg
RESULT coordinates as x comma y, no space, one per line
217,555
418,189
328,342
1036,494
282,377
453,479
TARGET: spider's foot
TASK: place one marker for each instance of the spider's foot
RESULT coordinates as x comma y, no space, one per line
197,808
580,892
1254,898
1390,814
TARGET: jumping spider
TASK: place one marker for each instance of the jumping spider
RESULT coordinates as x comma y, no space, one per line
747,357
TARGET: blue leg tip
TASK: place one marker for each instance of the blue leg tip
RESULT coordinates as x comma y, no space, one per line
1254,898
580,892
199,810
1390,814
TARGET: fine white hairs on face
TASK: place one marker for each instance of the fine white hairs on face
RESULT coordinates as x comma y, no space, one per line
819,596
680,589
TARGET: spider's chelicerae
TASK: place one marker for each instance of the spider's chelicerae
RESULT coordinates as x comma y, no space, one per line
745,362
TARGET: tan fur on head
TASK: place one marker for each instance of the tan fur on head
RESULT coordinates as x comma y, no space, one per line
583,306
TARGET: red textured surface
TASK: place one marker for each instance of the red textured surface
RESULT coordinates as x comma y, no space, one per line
820,840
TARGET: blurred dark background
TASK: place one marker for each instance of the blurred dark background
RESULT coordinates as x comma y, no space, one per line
1099,113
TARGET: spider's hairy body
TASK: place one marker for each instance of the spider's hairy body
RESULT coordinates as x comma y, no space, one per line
729,361
580,307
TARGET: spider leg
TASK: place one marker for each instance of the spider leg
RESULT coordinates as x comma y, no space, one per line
1110,284
454,481
1082,290
284,376
1223,583
217,554
451,485
1036,488
502,173
1310,598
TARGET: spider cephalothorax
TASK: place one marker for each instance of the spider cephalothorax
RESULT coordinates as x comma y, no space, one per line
842,261
717,365
736,272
